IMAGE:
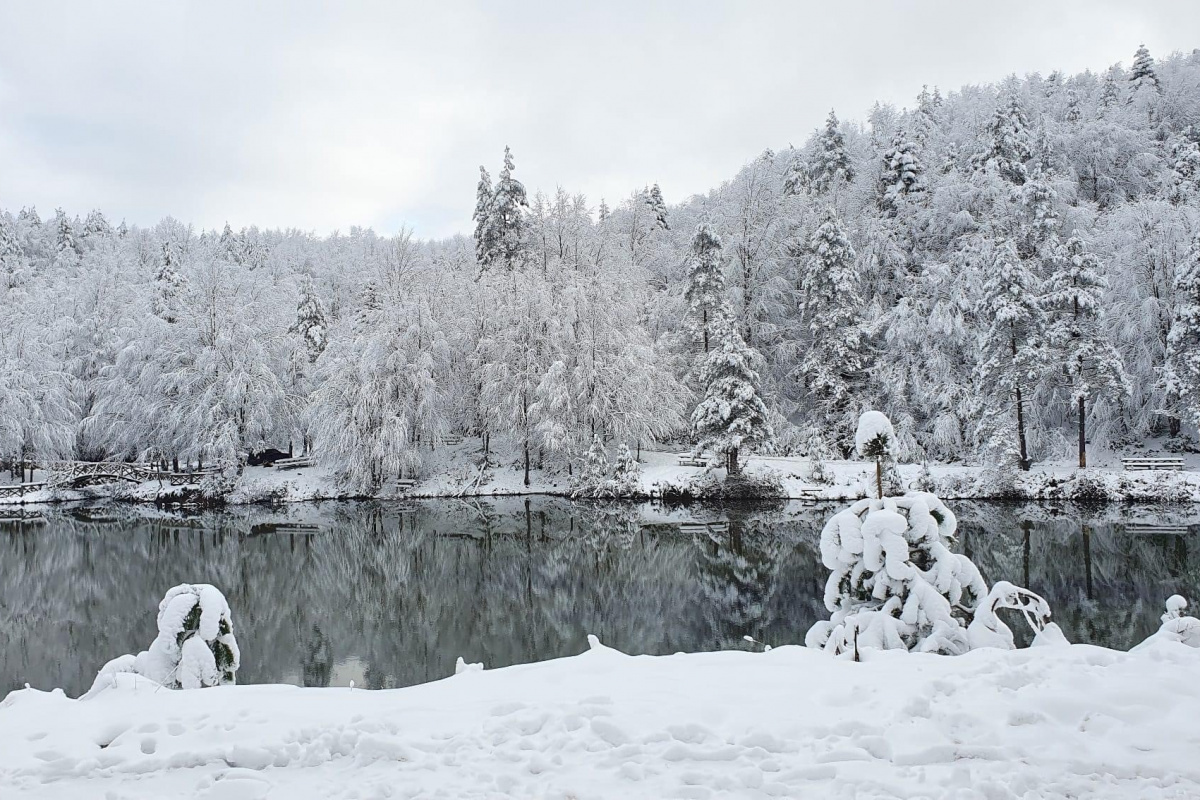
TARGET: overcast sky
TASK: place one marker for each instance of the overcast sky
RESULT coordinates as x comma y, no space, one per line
323,116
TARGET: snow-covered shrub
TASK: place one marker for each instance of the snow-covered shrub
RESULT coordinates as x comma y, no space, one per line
626,473
195,646
894,583
597,478
1176,627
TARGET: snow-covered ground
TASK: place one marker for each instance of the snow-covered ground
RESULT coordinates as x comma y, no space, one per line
1049,722
454,471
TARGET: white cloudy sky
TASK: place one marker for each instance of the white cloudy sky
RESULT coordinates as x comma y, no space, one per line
326,115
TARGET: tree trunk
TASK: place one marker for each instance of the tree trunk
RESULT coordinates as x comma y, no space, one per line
731,461
1021,431
1082,433
879,477
527,462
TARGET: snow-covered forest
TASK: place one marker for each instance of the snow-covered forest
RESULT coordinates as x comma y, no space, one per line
992,267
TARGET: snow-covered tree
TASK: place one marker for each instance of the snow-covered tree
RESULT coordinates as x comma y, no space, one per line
732,417
195,646
901,173
310,324
1012,345
658,208
485,246
875,439
1077,336
830,164
831,310
506,217
1142,74
894,584
1182,368
1010,143
705,293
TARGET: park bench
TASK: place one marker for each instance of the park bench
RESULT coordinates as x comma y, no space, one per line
452,439
1137,464
1154,529
692,460
809,495
294,463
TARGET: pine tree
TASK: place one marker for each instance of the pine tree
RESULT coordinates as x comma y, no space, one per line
96,225
1110,91
506,217
1010,144
484,246
732,417
1182,369
901,173
831,164
310,320
658,208
1077,333
1073,112
831,311
705,294
603,212
1013,344
1142,74
11,254
168,286
66,248
1185,168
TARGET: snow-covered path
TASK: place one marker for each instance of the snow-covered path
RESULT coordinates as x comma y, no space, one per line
1075,721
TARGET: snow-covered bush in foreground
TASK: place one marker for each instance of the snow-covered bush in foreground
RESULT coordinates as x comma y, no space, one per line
896,585
1175,626
195,646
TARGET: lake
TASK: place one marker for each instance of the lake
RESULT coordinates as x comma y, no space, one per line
388,595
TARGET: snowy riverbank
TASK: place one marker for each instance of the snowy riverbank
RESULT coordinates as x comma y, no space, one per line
1051,722
454,472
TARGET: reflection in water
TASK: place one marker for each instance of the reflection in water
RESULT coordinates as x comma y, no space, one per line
390,595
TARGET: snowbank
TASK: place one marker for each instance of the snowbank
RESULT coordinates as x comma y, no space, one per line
1054,722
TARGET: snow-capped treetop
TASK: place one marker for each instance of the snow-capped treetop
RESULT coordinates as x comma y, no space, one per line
1142,72
874,437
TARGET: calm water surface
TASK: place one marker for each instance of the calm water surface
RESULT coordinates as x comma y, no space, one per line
390,595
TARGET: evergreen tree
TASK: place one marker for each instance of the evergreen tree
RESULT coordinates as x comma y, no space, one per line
1010,144
310,320
603,212
1077,333
901,172
1142,74
506,217
658,208
732,417
1110,91
705,294
831,312
484,246
96,225
1012,349
831,164
168,286
66,248
11,255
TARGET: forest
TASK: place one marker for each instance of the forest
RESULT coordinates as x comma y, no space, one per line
1011,272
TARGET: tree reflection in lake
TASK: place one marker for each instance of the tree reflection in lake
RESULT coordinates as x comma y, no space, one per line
388,595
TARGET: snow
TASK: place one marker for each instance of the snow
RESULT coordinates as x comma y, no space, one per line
873,424
454,471
1053,722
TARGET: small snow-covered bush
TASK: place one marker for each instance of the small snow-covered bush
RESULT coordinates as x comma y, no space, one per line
597,478
1176,626
195,646
894,583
